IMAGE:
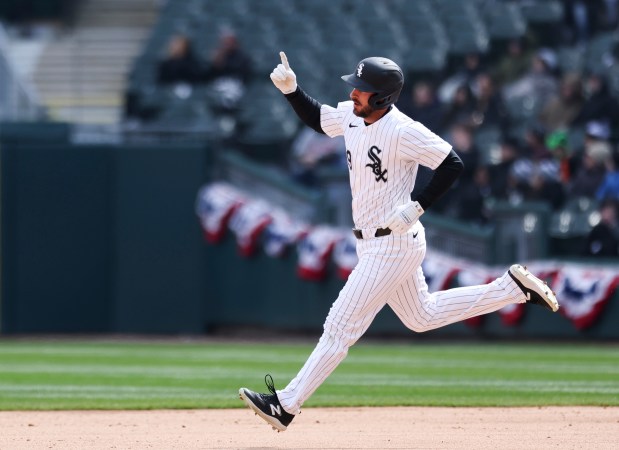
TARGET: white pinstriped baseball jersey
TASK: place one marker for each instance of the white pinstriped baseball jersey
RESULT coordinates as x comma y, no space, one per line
383,158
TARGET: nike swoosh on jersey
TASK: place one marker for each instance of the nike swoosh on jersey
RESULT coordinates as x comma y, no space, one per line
350,125
415,234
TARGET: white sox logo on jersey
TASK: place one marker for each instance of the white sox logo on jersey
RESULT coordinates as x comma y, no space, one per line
376,164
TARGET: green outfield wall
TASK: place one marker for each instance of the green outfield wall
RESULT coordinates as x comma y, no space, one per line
100,238
104,239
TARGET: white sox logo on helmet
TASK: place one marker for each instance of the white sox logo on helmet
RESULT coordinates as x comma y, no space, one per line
359,70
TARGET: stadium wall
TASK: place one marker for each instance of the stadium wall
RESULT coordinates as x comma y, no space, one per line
99,238
104,239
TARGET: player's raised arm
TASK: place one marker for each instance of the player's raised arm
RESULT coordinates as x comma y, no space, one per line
305,106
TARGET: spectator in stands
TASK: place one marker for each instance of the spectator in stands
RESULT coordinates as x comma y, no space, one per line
470,204
536,175
515,63
603,239
180,64
489,107
500,174
592,171
599,104
581,19
537,187
461,139
561,110
610,15
229,71
460,136
423,106
466,74
535,143
556,142
609,189
229,59
460,109
594,131
539,83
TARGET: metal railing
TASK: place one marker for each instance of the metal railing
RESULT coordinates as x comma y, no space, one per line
460,239
518,233
271,185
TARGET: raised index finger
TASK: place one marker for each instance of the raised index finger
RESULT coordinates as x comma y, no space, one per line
282,55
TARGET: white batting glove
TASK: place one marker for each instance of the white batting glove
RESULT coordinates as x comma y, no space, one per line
404,217
283,77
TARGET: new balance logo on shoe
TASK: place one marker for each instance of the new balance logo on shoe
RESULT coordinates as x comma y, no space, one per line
267,406
276,410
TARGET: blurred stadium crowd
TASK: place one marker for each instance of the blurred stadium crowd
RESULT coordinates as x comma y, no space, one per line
525,90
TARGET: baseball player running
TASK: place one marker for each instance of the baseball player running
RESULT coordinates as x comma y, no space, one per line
384,149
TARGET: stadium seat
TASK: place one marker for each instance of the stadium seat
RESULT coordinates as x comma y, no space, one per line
522,109
425,59
299,36
599,50
465,28
463,41
487,140
613,80
575,138
571,59
406,8
542,12
574,219
503,20
267,138
428,34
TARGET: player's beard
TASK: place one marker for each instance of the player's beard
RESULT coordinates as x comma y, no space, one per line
363,112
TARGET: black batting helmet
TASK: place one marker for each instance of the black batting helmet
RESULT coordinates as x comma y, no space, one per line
379,75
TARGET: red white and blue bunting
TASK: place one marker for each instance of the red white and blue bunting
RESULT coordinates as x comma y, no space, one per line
582,289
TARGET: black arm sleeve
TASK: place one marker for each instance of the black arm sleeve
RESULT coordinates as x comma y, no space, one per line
443,178
307,108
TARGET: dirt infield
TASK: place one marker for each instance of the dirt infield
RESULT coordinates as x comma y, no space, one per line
316,428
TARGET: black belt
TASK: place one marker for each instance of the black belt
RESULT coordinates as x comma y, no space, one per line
379,232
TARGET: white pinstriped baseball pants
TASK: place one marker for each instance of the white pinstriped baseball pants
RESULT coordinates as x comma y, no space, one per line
389,272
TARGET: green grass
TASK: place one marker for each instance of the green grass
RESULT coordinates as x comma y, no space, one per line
119,375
